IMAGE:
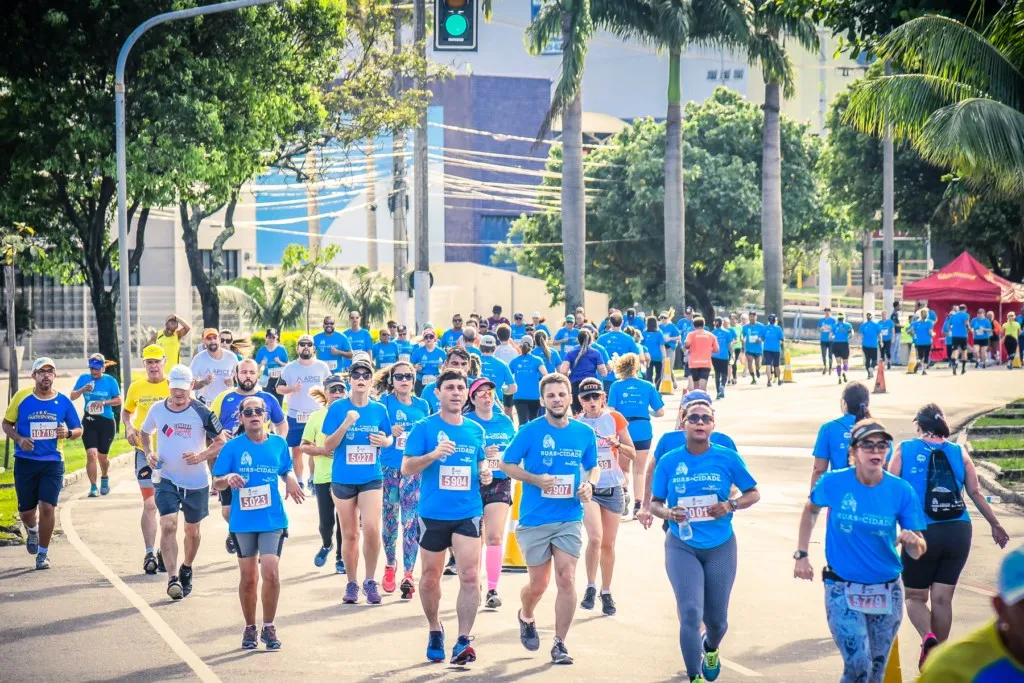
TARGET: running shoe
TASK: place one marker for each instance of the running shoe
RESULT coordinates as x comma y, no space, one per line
589,596
559,654
269,636
636,508
870,375
43,561
104,485
408,587
463,653
351,593
753,380
229,545
450,569
927,644
721,394
372,594
626,500
493,601
339,567
823,371
185,574
710,666
435,646
321,557
149,564
607,605
174,591
160,562
32,542
250,638
388,584
954,370
844,377
94,491
528,635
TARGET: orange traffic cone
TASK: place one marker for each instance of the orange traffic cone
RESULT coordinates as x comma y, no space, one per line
666,378
880,379
514,561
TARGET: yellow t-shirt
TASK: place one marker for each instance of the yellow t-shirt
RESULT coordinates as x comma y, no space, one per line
141,395
1011,329
314,433
979,657
171,344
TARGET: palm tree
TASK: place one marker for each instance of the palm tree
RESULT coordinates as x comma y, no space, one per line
772,24
370,294
305,271
266,302
959,100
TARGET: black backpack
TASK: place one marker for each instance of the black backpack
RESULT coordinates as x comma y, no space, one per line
942,499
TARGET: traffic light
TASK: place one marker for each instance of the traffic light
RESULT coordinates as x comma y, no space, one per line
455,24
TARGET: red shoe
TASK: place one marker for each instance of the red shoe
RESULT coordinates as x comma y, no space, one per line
388,584
408,587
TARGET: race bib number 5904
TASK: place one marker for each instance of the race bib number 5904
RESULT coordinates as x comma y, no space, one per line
454,477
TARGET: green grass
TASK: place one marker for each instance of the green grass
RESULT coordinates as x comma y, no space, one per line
1003,442
999,422
797,349
1009,463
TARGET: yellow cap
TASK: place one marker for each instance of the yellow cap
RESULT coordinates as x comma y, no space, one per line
153,352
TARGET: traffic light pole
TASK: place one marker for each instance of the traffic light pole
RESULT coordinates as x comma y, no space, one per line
421,276
397,203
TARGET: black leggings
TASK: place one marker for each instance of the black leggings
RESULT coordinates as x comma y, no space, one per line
655,371
329,523
826,353
721,366
527,409
1011,347
870,356
923,352
886,351
735,359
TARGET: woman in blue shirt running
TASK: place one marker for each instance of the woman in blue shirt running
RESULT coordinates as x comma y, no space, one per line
922,331
580,363
832,447
638,401
863,589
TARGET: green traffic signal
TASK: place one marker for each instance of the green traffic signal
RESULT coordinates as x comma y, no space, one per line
455,24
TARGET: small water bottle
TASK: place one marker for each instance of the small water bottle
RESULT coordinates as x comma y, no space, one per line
684,532
156,470
994,500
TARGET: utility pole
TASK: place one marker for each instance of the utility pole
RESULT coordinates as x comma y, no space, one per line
313,177
421,278
888,236
397,200
371,206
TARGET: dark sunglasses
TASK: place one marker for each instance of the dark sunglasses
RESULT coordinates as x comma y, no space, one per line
429,336
361,374
337,389
330,324
591,397
305,344
249,412
403,377
700,419
225,341
873,446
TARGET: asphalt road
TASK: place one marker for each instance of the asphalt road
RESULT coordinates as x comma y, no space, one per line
96,616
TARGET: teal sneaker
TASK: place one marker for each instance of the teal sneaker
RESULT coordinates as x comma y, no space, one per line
435,645
104,485
710,666
94,491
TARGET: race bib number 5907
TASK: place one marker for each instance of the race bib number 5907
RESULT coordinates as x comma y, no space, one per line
563,488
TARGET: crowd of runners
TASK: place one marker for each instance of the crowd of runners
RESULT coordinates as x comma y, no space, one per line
421,444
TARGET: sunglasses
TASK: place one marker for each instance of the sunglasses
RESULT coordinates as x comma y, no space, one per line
403,377
226,341
330,324
249,412
700,419
337,389
429,336
301,344
873,446
591,397
361,374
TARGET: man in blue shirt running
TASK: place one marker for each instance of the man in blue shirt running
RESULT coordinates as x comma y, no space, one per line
981,326
870,333
958,323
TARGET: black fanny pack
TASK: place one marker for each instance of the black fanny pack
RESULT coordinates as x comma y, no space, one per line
635,419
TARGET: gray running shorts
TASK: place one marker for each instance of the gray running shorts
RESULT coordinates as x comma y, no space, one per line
538,542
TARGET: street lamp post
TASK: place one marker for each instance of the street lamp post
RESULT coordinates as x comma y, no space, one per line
122,192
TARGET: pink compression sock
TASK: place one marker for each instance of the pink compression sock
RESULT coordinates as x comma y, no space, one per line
494,557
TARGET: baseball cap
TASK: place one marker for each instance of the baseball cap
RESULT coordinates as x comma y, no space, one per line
869,428
153,352
591,385
696,396
210,331
272,332
517,316
663,314
535,314
689,309
180,377
97,361
43,362
304,337
1011,577
361,360
526,340
570,318
333,380
479,383
488,342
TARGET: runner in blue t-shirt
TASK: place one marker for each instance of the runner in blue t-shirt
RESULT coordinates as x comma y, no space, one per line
887,326
385,351
720,359
357,428
447,450
332,347
774,336
638,401
870,334
427,360
958,323
100,391
981,326
527,371
825,325
452,337
551,357
922,330
753,346
556,459
831,447
272,357
841,333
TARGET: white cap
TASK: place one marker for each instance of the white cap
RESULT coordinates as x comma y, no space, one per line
180,377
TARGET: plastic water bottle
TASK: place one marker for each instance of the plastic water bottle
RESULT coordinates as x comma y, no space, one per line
156,471
994,500
684,532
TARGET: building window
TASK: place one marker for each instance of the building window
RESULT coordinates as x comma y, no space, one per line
712,74
494,230
737,74
230,261
725,75
133,279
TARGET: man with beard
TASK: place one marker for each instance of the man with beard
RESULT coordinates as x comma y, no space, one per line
213,368
227,406
38,420
332,348
297,378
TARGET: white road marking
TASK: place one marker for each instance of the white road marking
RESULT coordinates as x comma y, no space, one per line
202,671
732,666
977,589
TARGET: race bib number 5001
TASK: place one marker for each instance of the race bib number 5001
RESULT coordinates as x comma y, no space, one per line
697,507
563,487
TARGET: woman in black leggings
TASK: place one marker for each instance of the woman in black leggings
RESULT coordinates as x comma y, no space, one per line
313,444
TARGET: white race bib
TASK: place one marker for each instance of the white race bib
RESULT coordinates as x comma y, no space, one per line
563,487
302,418
868,599
492,463
697,507
254,497
454,477
332,364
274,372
42,430
94,408
400,440
403,357
753,339
605,460
360,455
427,379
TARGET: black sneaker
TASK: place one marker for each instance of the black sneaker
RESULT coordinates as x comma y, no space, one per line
160,563
589,596
560,655
528,635
493,601
174,590
269,636
250,638
450,569
185,574
149,564
229,544
607,605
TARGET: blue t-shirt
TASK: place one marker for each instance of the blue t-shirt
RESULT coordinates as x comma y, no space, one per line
518,331
541,326
587,365
450,338
497,371
773,338
257,507
549,365
497,432
833,442
725,337
104,389
921,331
670,441
38,420
860,539
405,348
567,335
958,323
384,353
618,343
528,371
654,341
449,486
887,328
265,356
323,343
230,403
916,454
563,452
355,460
361,340
685,326
405,416
431,362
982,328
825,326
697,482
670,330
753,338
869,331
634,398
841,331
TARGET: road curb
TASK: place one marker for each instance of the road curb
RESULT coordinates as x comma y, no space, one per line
988,472
115,461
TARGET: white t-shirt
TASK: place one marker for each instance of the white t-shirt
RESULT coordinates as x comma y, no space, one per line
182,432
312,375
506,352
223,371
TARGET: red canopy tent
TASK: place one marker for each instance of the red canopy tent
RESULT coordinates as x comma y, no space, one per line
964,281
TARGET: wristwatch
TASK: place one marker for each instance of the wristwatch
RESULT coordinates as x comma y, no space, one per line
734,504
800,555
